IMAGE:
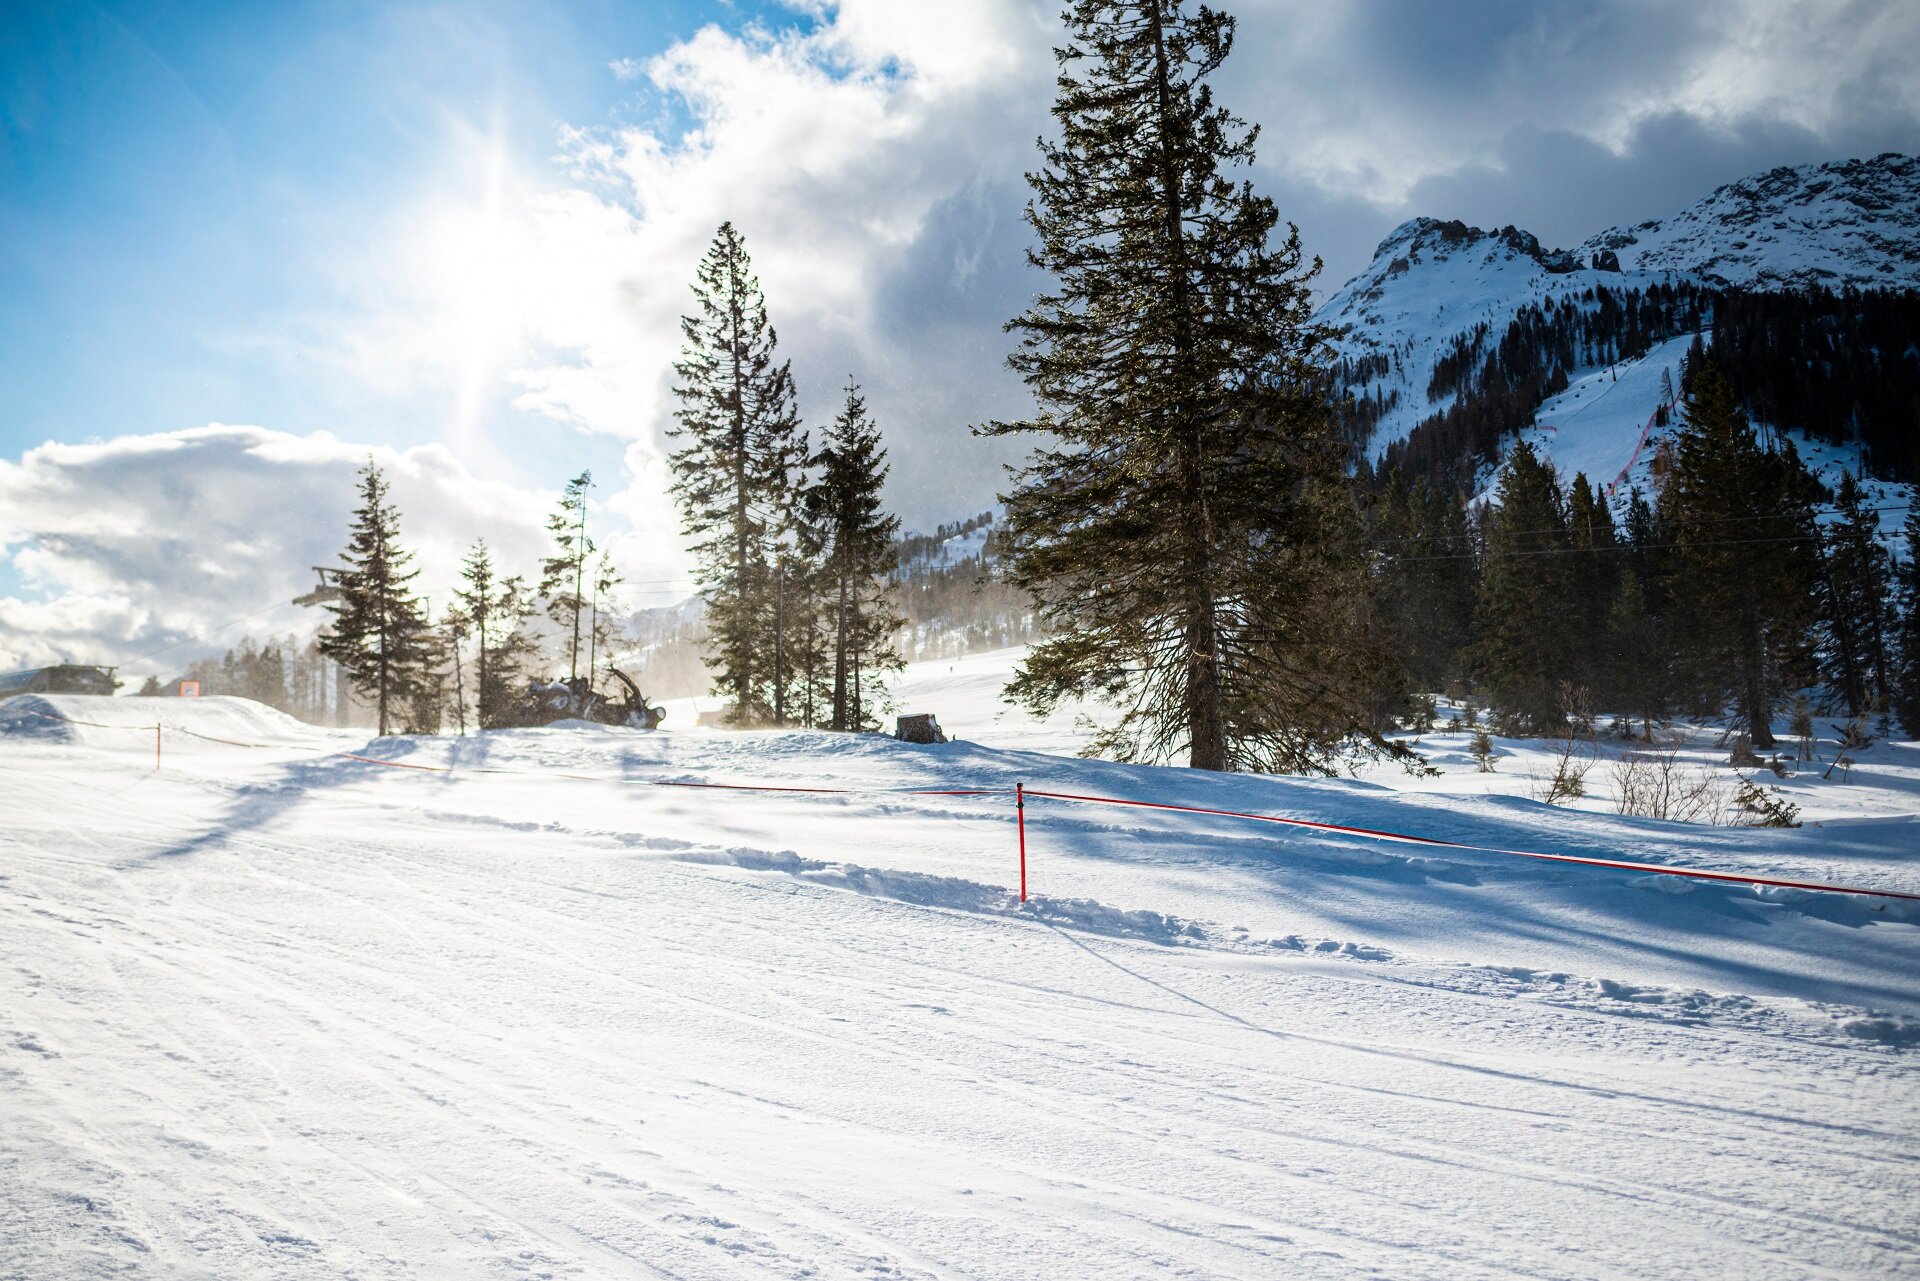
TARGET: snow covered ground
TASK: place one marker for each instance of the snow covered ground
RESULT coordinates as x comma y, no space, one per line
273,1012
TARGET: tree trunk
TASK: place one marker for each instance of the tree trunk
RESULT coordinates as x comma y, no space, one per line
742,639
780,642
1206,721
1758,708
840,660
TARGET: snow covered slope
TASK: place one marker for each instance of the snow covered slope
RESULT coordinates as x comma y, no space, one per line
1432,280
1847,224
273,1012
1850,223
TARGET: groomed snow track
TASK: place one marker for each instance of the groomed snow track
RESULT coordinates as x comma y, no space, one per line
274,1013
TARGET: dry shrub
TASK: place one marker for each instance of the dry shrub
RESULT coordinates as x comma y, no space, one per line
1657,784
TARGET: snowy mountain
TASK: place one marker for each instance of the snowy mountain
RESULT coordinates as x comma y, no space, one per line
1431,281
1847,224
1440,301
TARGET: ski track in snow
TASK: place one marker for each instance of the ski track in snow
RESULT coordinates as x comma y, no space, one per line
270,1015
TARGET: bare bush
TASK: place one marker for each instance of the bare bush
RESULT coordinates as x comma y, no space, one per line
1657,784
1572,761
1574,756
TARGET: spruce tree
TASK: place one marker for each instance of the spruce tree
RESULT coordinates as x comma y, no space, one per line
379,627
494,609
1639,658
1527,630
563,575
1744,554
852,536
740,449
1595,578
1425,576
1856,606
1907,646
1185,529
601,632
426,701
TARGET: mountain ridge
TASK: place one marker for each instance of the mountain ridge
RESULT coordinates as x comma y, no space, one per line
1431,310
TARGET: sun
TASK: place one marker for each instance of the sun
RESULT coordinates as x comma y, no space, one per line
473,257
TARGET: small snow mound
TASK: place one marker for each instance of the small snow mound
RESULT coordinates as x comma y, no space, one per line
31,716
1664,884
1882,1029
100,721
958,894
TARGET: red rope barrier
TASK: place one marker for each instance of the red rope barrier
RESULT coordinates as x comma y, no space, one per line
1021,792
1656,869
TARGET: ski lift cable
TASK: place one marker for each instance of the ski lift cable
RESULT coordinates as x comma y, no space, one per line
1827,509
1618,547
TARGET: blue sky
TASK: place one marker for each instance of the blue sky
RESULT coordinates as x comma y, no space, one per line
245,246
178,180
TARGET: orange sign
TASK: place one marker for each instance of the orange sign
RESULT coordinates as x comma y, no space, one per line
189,689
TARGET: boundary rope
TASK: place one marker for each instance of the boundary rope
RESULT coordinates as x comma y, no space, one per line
1659,869
1020,793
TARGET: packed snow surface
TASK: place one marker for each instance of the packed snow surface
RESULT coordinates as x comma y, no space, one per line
275,1012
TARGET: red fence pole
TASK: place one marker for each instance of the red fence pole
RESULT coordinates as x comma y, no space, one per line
156,747
1020,814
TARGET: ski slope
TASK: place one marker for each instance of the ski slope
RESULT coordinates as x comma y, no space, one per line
276,1012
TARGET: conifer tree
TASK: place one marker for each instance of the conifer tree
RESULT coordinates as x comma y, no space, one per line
426,702
1856,609
1185,528
1426,574
455,627
513,654
1744,559
1595,576
379,627
495,609
601,632
1638,676
852,536
1527,631
740,449
1907,681
563,575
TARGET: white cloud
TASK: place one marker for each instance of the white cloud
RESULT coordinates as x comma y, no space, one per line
872,158
832,147
1370,100
139,541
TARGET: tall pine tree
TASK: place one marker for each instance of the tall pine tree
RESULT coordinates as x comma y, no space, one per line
1856,617
1527,627
379,628
851,536
1186,531
740,449
494,609
603,631
1907,647
563,575
1595,574
1745,554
